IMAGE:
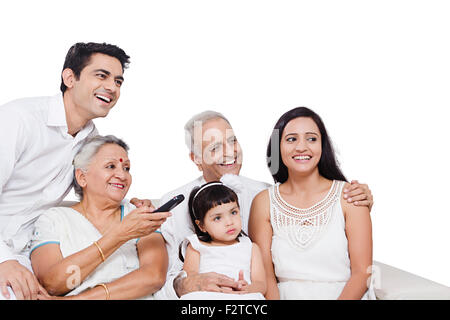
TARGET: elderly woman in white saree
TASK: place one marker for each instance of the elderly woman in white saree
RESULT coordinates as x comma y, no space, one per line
102,247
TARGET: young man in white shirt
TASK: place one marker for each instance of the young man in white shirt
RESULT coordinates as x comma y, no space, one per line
216,152
40,137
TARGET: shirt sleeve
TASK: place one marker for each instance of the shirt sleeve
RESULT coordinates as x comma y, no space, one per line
168,232
167,292
45,231
13,142
5,252
11,126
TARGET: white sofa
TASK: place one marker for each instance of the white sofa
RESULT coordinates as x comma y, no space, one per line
391,283
395,284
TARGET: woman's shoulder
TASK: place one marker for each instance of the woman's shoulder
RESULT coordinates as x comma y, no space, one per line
262,196
341,186
56,212
261,200
56,218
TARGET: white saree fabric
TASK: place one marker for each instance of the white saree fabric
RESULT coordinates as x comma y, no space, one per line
73,232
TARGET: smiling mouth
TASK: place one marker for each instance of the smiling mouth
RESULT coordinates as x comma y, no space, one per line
103,98
228,163
301,157
118,185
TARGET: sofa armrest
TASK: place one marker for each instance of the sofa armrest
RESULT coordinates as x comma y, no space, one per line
394,284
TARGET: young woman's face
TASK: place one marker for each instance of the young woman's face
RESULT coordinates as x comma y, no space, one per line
223,223
301,145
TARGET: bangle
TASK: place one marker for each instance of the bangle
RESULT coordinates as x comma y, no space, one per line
100,250
106,289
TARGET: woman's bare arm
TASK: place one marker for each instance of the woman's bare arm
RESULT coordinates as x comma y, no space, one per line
260,231
150,277
358,228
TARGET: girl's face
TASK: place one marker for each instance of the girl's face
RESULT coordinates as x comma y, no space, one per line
223,223
301,145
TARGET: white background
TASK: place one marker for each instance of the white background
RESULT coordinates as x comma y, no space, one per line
378,72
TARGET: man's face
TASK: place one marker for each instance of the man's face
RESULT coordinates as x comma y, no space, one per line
220,150
98,87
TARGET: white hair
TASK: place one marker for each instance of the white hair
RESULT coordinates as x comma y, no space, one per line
196,120
84,156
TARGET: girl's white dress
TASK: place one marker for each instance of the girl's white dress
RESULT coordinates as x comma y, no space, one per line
73,232
310,248
227,260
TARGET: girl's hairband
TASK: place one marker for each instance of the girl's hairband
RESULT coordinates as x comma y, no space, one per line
200,190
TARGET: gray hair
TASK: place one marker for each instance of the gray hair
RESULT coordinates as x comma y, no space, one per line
197,119
84,156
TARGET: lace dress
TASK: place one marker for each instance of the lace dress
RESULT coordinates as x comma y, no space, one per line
309,247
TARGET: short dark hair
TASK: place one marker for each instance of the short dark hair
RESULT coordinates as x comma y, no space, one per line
207,199
328,165
80,53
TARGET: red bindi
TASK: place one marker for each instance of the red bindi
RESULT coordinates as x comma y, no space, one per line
121,160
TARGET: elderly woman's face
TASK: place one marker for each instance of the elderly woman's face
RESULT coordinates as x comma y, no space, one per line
108,175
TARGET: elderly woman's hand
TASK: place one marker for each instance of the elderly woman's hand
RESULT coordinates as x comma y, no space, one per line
140,223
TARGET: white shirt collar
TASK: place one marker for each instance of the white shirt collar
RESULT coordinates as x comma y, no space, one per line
56,117
56,114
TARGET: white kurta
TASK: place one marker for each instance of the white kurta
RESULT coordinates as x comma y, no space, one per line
73,233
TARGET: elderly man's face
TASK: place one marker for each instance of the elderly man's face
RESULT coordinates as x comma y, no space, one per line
220,150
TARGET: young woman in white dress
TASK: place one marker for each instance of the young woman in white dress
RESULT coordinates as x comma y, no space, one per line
315,245
220,246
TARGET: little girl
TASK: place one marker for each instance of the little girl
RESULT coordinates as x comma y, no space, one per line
220,246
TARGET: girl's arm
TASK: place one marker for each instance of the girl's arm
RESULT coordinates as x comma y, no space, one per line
150,276
358,228
257,273
191,261
260,231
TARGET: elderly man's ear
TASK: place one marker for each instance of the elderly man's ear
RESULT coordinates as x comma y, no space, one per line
197,160
81,178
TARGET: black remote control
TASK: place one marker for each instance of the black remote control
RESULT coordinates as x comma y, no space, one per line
172,203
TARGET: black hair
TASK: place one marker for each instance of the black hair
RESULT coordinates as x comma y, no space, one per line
80,53
208,198
328,165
